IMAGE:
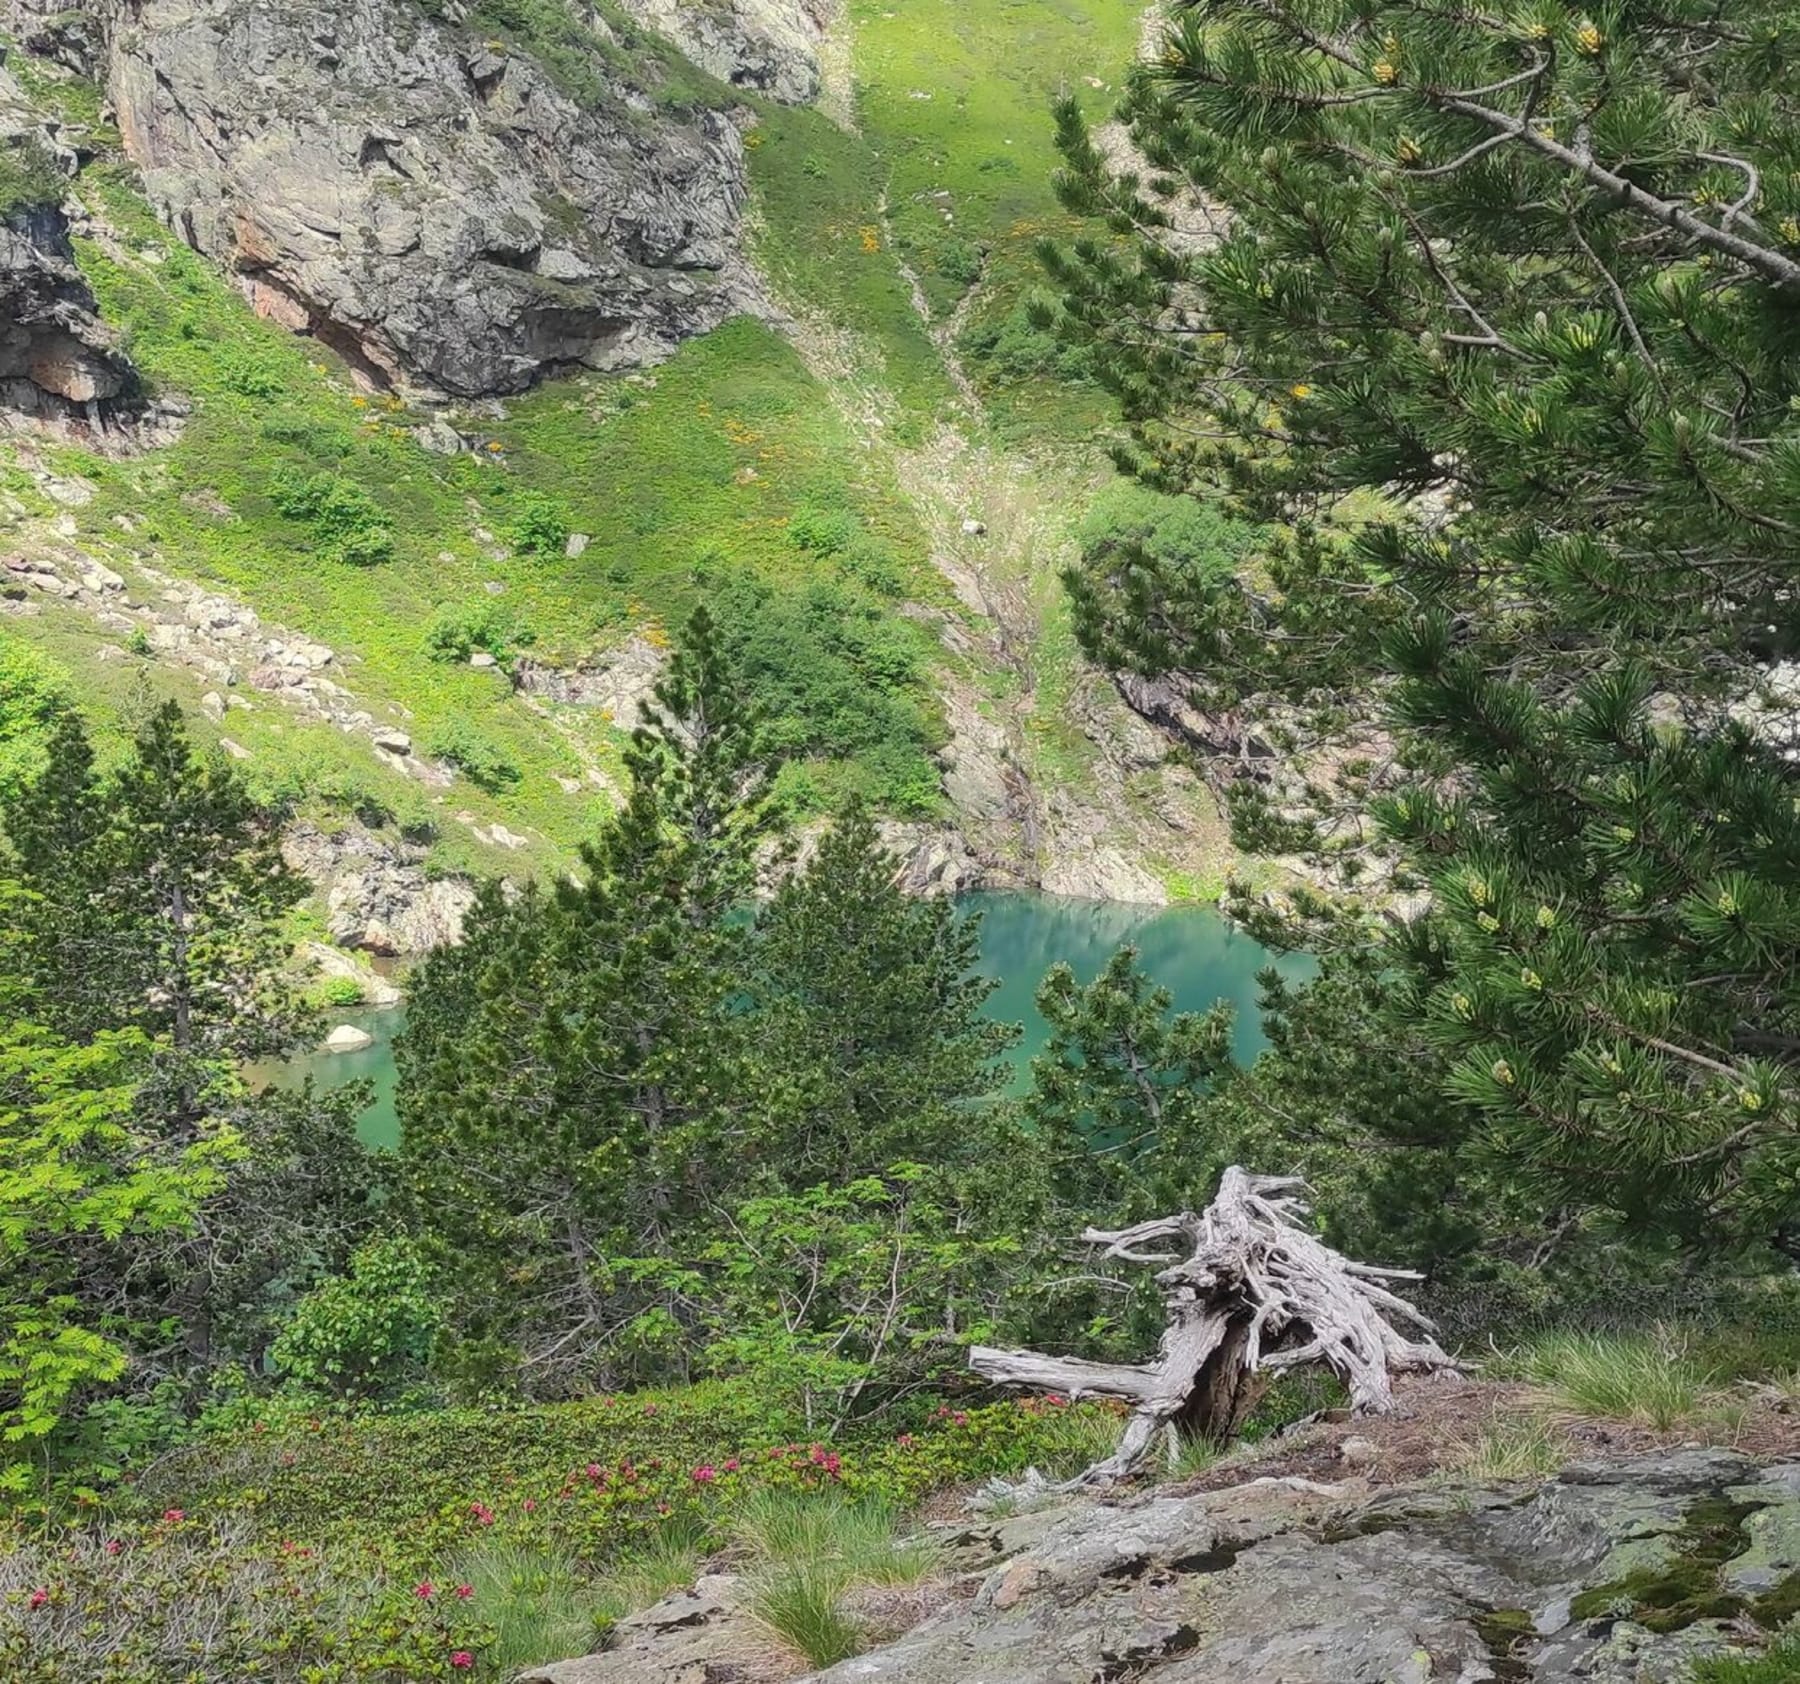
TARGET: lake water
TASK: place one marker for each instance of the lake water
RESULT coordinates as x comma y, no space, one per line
1191,951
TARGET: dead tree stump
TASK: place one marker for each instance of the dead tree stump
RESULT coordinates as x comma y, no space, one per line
1255,1293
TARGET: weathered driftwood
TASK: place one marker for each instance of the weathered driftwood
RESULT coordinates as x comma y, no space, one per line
1255,1293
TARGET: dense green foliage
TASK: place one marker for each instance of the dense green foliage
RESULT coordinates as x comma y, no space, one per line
676,1064
75,1170
1534,274
158,1217
1119,1096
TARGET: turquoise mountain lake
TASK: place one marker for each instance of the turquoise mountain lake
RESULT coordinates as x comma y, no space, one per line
1191,951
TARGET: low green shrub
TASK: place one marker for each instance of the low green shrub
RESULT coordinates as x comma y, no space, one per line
29,177
601,1478
458,629
1195,538
348,524
822,531
476,755
959,260
34,690
207,1602
366,1334
540,526
334,991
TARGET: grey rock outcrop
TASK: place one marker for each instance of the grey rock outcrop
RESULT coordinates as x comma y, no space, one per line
434,207
771,46
378,895
58,360
1422,1584
697,1634
1286,1581
619,685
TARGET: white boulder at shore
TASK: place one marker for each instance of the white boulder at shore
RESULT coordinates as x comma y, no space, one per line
347,1038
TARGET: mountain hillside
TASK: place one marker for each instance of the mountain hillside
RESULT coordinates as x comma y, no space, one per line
415,366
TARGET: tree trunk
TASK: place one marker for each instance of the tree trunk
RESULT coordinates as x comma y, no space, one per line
1255,1293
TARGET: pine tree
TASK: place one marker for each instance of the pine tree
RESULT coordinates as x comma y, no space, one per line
150,911
1533,274
1119,1093
155,898
77,1170
870,1011
577,1082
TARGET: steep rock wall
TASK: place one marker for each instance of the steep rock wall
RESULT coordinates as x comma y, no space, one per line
57,359
435,207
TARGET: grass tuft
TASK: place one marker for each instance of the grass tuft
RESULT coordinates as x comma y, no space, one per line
811,1550
1649,1378
799,1601
1511,1447
648,1575
537,1601
1779,1664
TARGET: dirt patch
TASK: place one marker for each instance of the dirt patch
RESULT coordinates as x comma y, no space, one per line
1436,1421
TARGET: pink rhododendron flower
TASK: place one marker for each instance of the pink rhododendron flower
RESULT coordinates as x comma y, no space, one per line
424,1592
705,1475
593,1470
462,1659
464,1592
113,1546
530,1504
731,1465
37,1598
174,1514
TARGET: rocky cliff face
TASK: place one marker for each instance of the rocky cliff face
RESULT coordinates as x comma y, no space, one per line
57,359
433,206
771,46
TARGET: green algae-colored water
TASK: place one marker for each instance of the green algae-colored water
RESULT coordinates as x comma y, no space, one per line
1191,951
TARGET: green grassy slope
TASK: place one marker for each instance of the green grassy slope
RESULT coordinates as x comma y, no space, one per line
729,472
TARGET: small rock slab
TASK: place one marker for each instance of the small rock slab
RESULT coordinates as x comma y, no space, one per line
347,1038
